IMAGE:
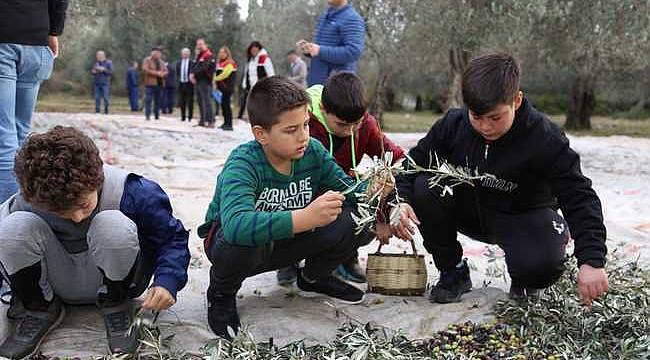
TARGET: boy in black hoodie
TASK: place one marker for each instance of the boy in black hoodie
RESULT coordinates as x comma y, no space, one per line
535,174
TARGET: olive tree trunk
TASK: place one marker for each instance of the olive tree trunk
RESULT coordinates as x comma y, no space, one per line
458,59
582,102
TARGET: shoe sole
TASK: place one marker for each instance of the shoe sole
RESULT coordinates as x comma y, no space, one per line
314,294
58,322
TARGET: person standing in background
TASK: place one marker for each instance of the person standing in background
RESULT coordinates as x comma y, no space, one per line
185,86
29,43
225,79
202,75
102,70
297,68
258,67
169,91
338,43
132,83
154,75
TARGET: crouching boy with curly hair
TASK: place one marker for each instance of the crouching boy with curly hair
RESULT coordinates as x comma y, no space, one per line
82,232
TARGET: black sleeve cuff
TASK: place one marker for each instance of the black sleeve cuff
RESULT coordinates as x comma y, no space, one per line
594,263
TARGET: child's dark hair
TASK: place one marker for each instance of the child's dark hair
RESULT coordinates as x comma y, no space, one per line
345,96
272,96
490,80
57,168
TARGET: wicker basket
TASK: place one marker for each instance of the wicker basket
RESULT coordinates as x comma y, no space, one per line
397,274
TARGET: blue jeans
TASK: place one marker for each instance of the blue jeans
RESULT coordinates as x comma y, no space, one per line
102,92
133,98
22,69
152,93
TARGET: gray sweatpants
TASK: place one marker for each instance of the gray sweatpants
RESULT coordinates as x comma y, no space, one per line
113,246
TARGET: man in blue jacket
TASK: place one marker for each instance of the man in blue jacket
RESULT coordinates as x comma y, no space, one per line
338,43
102,70
83,232
132,89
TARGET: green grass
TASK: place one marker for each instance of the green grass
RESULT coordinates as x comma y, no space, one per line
601,126
71,103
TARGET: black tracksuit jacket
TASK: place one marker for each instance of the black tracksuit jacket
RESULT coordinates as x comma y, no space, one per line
535,168
29,22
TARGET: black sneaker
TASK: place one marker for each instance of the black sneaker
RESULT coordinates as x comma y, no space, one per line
118,320
523,293
287,275
452,284
226,127
30,331
351,271
333,287
222,314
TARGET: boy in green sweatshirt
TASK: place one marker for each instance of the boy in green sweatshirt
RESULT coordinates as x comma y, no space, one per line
265,213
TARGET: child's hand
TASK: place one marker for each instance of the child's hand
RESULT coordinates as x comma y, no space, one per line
592,283
384,184
382,230
158,298
326,208
405,229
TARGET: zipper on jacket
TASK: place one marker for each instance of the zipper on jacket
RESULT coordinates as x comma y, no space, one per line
477,198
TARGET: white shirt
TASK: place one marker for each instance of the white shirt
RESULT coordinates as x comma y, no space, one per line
185,63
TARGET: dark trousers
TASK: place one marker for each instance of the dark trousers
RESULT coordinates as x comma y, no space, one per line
533,240
226,109
169,93
134,96
152,93
102,91
323,250
204,92
243,97
186,100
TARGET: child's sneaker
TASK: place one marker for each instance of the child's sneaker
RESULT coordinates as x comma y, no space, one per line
287,275
452,284
118,320
222,314
331,286
351,271
26,338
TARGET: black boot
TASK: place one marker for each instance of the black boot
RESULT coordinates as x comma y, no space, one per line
452,284
222,314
